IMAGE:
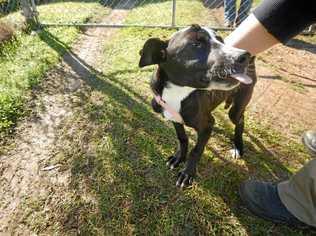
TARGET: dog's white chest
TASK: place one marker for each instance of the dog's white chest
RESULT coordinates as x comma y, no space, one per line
173,95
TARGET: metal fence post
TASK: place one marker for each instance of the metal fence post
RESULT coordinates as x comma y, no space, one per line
35,12
30,13
174,5
26,10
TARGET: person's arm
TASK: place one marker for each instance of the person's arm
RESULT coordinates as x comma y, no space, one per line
251,36
273,21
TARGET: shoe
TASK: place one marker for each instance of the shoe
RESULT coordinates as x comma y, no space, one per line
309,140
262,199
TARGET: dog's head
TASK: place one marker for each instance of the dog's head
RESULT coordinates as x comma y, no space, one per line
196,57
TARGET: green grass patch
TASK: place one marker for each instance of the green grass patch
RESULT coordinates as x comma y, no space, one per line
160,13
24,61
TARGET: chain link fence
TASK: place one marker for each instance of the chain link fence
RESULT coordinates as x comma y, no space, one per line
169,12
7,6
217,14
221,14
144,14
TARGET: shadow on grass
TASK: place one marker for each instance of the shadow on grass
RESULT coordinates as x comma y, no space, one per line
136,193
270,77
278,77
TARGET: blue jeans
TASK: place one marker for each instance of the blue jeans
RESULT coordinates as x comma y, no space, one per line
230,10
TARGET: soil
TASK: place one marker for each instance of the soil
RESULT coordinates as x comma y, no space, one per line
6,32
285,96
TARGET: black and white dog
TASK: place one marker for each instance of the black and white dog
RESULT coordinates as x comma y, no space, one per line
197,72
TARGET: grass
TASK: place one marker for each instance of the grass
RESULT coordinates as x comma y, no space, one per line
24,61
117,153
135,192
187,13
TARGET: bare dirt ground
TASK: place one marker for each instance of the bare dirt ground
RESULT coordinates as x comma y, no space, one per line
285,97
24,171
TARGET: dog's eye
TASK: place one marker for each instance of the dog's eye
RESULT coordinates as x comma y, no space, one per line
197,44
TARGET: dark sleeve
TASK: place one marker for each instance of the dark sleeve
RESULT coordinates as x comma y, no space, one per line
285,19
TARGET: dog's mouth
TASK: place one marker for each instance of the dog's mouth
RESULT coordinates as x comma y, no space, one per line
224,78
242,78
230,75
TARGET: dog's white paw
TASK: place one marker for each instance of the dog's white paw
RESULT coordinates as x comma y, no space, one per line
235,154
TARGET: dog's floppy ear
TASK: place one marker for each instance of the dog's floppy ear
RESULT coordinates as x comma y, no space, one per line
153,52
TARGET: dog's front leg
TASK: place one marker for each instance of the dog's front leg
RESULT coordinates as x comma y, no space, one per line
186,176
238,138
237,117
181,153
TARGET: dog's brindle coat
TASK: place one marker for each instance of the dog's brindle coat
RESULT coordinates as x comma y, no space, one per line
193,76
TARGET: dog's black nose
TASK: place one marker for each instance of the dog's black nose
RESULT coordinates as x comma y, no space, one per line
243,58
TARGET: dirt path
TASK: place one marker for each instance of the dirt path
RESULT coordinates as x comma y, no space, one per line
285,95
24,172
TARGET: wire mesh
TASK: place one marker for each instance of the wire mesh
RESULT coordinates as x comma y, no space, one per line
217,14
167,13
136,7
7,6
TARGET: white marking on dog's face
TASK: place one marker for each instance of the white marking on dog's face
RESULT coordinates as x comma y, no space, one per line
173,95
211,34
179,31
208,30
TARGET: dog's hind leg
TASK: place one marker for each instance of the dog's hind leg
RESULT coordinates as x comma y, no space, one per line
182,151
186,176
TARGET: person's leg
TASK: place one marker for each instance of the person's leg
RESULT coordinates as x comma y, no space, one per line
291,202
262,200
229,12
298,194
243,11
251,36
